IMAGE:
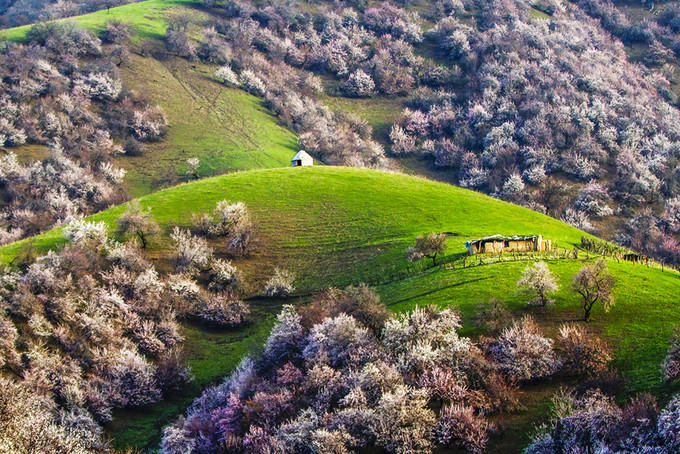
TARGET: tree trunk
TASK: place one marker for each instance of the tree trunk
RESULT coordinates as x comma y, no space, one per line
587,308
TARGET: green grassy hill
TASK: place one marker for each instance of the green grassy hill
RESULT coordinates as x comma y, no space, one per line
338,226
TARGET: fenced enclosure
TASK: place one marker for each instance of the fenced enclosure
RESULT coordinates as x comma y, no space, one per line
588,249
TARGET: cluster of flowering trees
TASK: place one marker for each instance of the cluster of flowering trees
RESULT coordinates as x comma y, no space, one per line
661,33
94,327
343,374
537,107
50,96
591,421
23,12
269,50
594,423
231,220
87,330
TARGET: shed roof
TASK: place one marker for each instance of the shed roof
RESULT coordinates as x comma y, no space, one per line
501,238
301,155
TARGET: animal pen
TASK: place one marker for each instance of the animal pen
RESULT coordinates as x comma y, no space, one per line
497,244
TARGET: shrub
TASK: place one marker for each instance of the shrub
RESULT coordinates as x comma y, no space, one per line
133,147
192,167
493,317
513,188
281,284
132,374
178,42
539,282
581,353
402,421
401,141
226,74
222,311
358,85
100,86
87,234
148,125
671,364
460,426
229,218
395,21
593,199
224,276
251,83
339,342
29,423
138,223
8,337
286,338
578,219
116,32
192,253
522,354
424,338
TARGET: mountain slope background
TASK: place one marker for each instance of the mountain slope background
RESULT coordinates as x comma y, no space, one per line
340,226
577,155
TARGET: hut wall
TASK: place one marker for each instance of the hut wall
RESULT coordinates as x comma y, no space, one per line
493,247
520,246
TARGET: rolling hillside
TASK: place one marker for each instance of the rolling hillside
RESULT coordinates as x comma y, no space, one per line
338,226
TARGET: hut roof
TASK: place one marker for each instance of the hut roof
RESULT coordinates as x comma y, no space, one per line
501,238
301,155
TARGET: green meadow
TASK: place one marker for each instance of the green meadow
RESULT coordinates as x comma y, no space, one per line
335,226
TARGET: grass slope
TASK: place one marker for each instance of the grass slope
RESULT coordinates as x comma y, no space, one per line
317,220
145,17
337,226
226,128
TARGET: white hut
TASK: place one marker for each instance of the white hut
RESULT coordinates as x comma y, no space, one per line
301,159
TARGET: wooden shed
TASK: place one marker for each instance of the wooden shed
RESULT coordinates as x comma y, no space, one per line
497,244
302,159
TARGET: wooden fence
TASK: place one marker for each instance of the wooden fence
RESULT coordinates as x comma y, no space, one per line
619,253
388,275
